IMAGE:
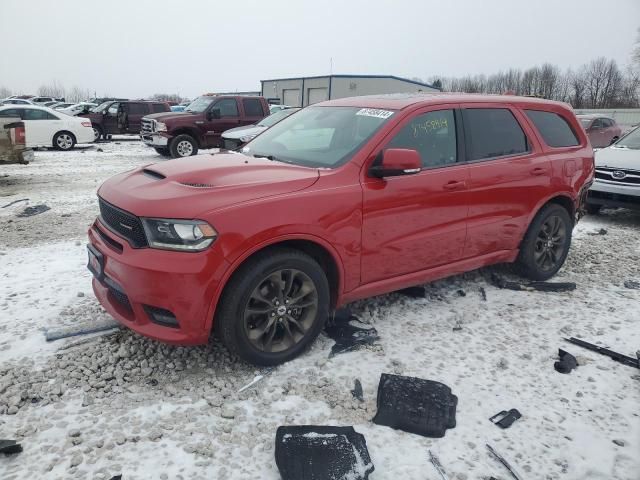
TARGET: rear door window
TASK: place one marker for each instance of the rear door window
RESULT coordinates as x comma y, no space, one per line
493,132
433,135
159,108
554,129
138,108
252,107
11,112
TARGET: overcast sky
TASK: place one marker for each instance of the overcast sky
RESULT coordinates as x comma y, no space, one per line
135,48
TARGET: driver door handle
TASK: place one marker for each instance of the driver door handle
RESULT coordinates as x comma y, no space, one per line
538,171
454,185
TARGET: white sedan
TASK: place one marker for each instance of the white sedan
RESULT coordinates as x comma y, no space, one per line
48,128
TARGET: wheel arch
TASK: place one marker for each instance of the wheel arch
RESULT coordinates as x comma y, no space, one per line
318,249
192,132
563,199
53,138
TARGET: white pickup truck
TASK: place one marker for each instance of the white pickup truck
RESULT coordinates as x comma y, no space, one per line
13,141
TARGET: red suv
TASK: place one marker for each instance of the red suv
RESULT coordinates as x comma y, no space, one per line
344,200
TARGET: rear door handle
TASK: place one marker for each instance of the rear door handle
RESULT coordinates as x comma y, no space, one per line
454,185
538,171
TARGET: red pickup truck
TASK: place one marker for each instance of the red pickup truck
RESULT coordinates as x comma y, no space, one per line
181,134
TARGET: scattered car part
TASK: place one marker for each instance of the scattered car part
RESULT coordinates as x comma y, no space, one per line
602,231
501,282
435,461
618,357
505,419
415,405
74,331
35,210
632,284
322,452
15,201
357,390
566,363
502,460
483,294
256,379
414,292
349,337
10,447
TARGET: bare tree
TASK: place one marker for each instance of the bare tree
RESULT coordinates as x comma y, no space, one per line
636,51
5,92
54,89
166,97
78,94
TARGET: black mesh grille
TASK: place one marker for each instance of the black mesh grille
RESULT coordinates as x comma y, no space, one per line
123,223
120,297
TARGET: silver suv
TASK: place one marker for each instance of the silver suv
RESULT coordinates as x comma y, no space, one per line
617,182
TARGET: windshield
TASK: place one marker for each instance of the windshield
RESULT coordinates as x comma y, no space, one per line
276,117
585,122
630,140
318,136
101,107
200,104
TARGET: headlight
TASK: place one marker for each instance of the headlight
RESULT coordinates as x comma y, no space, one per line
249,137
183,235
161,127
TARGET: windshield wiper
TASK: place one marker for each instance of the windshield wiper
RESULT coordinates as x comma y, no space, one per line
269,157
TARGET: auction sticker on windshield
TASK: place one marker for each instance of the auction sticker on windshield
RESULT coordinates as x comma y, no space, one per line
373,112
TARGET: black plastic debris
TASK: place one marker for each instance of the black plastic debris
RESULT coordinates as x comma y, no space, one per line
35,210
602,231
349,333
566,363
505,419
10,447
483,294
632,284
618,357
461,293
414,405
15,201
501,282
116,477
322,453
357,390
414,292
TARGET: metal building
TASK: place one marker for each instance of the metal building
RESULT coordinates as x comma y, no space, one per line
303,91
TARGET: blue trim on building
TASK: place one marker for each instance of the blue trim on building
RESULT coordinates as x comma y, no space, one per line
352,76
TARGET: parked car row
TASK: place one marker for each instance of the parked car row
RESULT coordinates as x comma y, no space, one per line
45,127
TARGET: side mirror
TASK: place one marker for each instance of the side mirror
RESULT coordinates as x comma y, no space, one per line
397,162
214,113
105,111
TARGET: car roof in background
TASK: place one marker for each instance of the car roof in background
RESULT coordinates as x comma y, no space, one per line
398,101
594,116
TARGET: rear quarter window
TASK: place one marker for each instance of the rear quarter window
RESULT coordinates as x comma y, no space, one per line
554,129
159,108
138,108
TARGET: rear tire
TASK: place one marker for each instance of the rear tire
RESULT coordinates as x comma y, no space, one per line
183,146
273,307
64,141
546,244
593,209
97,132
163,151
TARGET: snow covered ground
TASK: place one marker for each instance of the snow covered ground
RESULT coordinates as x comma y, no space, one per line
122,404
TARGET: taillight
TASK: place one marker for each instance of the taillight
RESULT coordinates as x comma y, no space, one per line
19,136
86,124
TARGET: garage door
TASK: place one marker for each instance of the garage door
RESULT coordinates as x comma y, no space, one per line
317,95
291,97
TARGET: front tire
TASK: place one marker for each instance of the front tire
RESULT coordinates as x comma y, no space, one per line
546,244
273,307
163,151
183,146
64,141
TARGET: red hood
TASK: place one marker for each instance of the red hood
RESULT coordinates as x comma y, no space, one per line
194,186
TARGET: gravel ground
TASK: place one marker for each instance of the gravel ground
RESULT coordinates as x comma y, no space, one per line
93,407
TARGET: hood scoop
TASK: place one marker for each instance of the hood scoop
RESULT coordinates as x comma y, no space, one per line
153,174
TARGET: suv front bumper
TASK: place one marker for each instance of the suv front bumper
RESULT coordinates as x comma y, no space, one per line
167,296
609,194
155,140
